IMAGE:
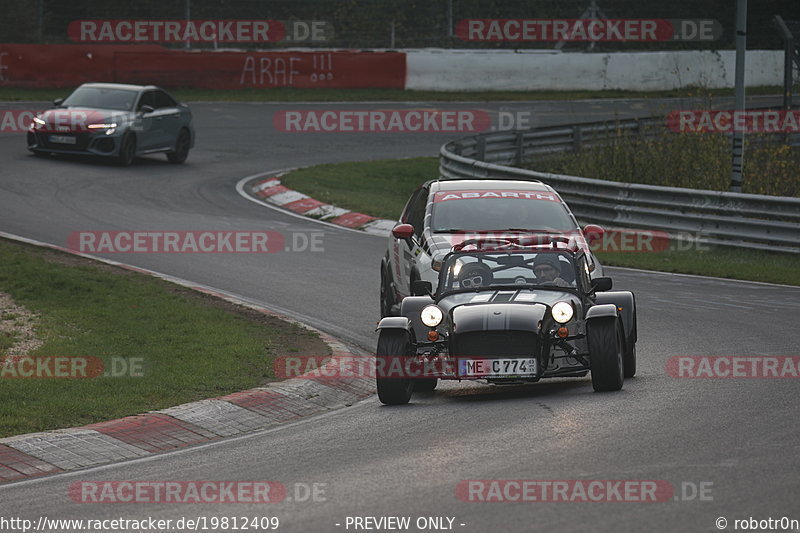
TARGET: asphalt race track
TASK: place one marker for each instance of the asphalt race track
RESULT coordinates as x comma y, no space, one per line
728,447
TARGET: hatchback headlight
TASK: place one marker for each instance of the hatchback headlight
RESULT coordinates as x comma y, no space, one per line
110,127
562,312
431,316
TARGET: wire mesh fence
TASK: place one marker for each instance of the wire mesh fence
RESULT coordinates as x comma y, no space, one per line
398,23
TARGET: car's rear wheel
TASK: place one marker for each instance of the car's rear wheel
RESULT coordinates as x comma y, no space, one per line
181,148
425,384
604,336
393,350
127,150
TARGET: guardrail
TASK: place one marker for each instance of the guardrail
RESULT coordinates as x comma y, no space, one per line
721,218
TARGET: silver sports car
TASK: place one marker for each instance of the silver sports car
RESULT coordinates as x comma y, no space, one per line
114,120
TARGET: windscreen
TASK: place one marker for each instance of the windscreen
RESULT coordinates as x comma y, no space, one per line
497,210
481,269
101,98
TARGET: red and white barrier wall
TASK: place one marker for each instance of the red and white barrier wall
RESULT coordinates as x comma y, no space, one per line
24,65
547,70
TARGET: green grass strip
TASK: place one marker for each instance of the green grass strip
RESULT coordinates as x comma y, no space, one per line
188,346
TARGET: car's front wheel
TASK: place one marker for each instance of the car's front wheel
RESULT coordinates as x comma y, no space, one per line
604,336
127,150
630,361
181,148
425,384
394,348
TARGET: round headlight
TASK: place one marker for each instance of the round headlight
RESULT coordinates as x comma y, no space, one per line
562,312
431,316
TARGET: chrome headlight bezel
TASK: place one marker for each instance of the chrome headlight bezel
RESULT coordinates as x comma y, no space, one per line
431,315
562,312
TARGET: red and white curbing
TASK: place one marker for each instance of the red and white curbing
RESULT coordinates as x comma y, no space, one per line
271,190
48,452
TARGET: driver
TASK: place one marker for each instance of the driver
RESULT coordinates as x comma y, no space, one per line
547,270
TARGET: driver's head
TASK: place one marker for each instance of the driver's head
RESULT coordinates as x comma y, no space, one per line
546,267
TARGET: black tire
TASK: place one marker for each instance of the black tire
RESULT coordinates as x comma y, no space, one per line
387,298
127,150
605,352
393,344
630,361
181,148
425,384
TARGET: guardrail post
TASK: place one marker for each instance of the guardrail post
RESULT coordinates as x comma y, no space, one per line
481,148
577,138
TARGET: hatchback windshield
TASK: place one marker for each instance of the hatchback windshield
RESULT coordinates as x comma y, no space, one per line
489,269
498,210
101,98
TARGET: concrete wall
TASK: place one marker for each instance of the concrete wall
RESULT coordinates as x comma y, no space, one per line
545,70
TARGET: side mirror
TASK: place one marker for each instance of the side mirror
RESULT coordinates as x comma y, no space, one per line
421,288
601,284
58,101
146,109
593,232
403,231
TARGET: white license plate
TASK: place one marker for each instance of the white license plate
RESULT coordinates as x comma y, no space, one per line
62,139
496,368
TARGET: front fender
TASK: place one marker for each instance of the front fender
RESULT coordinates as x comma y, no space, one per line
627,301
601,311
394,322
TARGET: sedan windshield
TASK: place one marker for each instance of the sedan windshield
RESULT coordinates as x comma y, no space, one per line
496,214
482,269
101,98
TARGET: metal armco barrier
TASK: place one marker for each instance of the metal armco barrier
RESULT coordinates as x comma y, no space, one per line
721,218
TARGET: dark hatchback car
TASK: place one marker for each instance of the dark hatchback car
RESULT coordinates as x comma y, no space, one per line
116,121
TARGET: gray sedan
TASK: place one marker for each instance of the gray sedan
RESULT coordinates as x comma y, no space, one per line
114,120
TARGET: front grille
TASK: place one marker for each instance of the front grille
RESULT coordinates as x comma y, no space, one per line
496,344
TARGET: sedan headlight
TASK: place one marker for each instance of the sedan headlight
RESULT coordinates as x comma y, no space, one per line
431,316
37,123
562,312
110,127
